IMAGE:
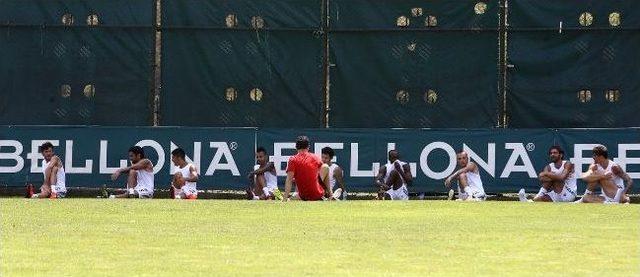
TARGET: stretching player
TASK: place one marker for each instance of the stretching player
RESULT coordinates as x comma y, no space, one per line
609,176
558,180
183,185
335,174
263,179
393,178
307,170
54,179
469,183
140,175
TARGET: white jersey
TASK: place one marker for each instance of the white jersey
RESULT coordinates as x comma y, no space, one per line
570,181
391,168
332,178
60,185
145,180
270,178
616,179
186,173
475,183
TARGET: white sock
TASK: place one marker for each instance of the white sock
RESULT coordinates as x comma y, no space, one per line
256,198
35,195
131,191
522,196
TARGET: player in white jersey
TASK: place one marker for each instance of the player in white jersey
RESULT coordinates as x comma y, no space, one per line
336,174
558,180
607,175
263,179
470,186
183,184
394,178
53,185
140,180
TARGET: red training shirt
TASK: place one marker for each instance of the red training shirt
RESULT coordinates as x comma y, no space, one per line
305,167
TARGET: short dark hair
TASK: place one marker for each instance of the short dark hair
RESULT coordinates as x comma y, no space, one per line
394,154
261,149
328,151
302,142
557,148
45,146
601,150
178,152
137,150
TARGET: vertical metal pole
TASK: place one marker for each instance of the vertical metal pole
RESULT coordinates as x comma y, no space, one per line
502,86
326,63
157,61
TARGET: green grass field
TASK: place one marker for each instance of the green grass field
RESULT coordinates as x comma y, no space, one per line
81,237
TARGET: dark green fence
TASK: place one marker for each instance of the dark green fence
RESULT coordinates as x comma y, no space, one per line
575,63
321,63
76,62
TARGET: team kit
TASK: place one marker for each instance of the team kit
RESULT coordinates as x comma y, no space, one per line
315,178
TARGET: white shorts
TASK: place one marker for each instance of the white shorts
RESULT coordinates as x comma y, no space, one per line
187,192
143,192
268,191
473,193
566,195
401,193
61,192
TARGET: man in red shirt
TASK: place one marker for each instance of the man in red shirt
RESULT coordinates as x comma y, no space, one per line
308,170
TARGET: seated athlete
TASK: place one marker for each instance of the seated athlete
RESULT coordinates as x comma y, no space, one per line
607,175
183,185
335,174
140,181
308,171
54,185
470,186
263,179
393,178
557,180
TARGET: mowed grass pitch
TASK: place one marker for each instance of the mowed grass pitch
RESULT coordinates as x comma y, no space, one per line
181,238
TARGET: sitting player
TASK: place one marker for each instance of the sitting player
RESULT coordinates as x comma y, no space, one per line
140,181
263,179
609,176
307,170
469,183
558,180
335,174
183,185
393,178
53,185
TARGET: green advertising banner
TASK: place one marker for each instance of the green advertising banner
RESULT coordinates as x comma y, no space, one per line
508,159
92,154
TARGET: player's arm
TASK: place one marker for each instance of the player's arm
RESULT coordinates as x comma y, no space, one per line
338,174
544,175
617,170
262,170
470,167
141,164
592,176
379,181
51,179
194,174
287,185
568,168
406,174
